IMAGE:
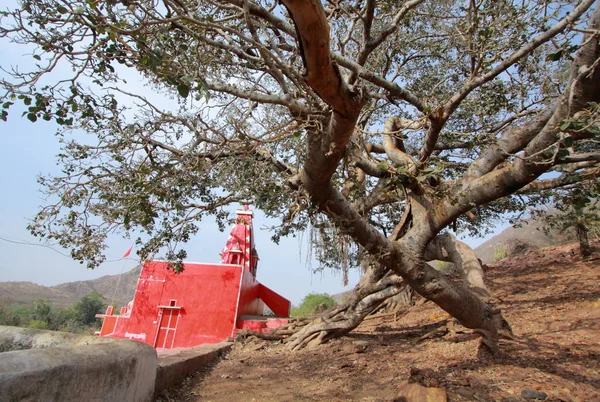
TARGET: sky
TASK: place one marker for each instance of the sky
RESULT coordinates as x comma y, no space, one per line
29,149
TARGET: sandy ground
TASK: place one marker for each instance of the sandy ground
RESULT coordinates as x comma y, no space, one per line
551,299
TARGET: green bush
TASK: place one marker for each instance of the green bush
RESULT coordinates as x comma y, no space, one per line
312,304
85,310
500,253
38,324
8,317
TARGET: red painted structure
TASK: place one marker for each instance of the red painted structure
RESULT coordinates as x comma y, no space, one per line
206,303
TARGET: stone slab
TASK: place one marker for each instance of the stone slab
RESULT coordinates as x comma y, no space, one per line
83,368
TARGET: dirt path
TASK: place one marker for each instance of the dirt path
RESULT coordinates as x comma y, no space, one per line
551,299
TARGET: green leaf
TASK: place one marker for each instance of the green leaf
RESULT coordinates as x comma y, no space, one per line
383,165
62,9
32,117
37,57
183,90
565,125
554,56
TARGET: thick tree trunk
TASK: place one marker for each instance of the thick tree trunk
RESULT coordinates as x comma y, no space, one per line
446,247
397,303
381,288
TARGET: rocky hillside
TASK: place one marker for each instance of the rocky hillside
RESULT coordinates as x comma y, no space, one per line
63,295
529,236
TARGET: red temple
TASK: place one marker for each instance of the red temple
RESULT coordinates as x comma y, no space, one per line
206,303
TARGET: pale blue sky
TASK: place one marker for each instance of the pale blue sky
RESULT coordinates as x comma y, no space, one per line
27,150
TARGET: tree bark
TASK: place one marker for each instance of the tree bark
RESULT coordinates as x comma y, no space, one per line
446,247
398,302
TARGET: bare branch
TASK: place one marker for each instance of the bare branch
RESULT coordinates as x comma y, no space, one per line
525,50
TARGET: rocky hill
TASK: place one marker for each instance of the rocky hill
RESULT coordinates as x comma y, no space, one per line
528,236
115,288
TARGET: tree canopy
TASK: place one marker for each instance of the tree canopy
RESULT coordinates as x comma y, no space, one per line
378,124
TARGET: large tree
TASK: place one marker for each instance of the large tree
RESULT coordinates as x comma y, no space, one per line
378,124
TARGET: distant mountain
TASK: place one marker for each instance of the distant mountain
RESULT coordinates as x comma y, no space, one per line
115,288
518,240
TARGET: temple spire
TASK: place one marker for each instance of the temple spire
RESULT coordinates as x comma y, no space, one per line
239,248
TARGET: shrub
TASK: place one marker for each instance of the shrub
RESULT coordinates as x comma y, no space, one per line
38,324
313,303
500,253
8,317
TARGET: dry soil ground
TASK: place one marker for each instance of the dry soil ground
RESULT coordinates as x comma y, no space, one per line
551,298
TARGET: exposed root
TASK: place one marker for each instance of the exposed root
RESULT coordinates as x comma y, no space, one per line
379,292
341,319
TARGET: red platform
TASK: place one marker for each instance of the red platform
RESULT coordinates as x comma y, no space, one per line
206,303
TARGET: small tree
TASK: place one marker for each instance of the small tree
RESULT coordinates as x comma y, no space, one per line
85,310
8,317
313,303
41,314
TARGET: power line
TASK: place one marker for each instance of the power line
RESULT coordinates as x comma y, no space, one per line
26,243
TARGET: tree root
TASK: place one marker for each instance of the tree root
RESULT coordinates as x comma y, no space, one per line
339,320
380,290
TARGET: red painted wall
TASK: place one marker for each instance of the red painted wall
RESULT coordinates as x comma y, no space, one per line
206,294
202,305
249,302
280,306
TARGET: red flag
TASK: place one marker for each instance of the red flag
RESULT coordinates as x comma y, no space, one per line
127,252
